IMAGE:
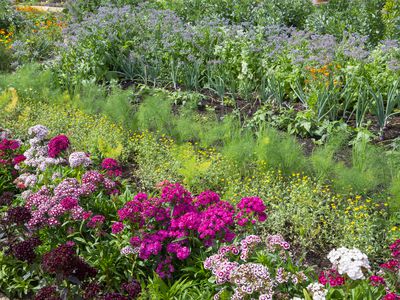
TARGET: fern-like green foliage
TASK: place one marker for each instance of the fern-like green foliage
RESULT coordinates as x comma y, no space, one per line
154,114
323,158
280,151
240,149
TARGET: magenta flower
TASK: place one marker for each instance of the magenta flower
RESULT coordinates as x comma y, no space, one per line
69,202
18,159
117,227
332,277
96,221
57,144
112,167
251,209
376,280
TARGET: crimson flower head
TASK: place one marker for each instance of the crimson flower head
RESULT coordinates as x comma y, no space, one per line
58,144
112,166
19,158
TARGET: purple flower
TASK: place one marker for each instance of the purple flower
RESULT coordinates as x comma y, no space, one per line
25,250
69,202
132,288
47,293
18,215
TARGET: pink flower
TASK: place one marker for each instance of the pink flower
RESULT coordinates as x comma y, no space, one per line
332,277
376,280
96,221
117,227
57,145
391,296
19,158
69,202
112,167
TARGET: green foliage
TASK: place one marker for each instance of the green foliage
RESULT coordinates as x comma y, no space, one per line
391,18
280,151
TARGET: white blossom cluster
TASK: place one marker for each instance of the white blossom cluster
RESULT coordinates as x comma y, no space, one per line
77,159
317,291
26,180
37,154
349,261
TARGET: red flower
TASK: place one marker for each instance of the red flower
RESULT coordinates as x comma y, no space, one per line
57,145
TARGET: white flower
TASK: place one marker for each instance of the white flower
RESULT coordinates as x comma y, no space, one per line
317,291
349,261
77,159
38,131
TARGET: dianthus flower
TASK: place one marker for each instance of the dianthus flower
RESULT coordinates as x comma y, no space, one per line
114,296
251,210
57,144
117,227
247,245
6,198
391,265
132,288
38,131
91,291
69,202
349,261
252,278
111,166
18,215
391,296
165,268
18,159
332,277
376,280
215,223
317,291
176,194
47,293
206,199
78,159
25,250
395,249
276,240
7,144
96,221
64,261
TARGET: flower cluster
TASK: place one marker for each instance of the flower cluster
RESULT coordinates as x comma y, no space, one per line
64,262
77,159
177,215
18,215
112,167
349,261
25,250
57,144
277,241
37,155
8,152
47,293
25,180
247,278
132,288
332,277
251,210
47,208
317,290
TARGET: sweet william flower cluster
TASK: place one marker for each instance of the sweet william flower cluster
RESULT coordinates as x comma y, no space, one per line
351,262
163,225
